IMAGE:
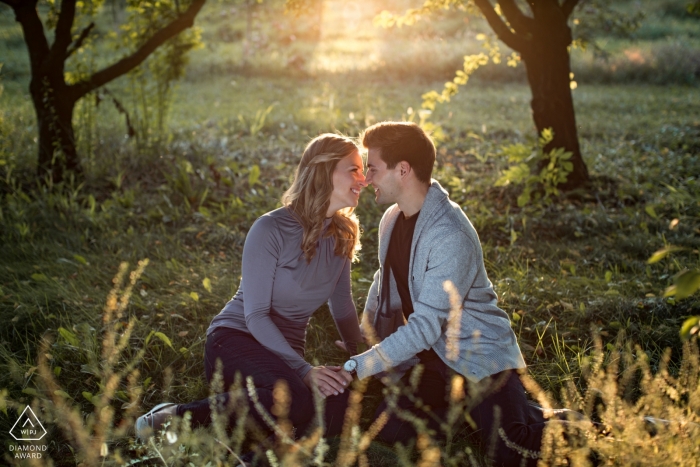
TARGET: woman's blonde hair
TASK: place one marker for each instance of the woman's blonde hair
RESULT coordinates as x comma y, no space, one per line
310,195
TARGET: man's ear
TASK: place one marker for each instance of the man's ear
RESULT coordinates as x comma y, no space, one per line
404,168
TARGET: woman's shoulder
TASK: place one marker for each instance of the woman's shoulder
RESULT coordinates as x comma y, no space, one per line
279,220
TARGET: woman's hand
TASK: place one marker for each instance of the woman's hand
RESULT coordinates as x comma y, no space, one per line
341,345
330,380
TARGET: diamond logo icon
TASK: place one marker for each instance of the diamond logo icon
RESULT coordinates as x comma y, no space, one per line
28,427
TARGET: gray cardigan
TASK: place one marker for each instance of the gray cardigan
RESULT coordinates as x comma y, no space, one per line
477,341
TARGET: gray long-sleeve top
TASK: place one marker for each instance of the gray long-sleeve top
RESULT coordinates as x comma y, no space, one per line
282,290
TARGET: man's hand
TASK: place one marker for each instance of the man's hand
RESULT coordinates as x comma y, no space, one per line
330,380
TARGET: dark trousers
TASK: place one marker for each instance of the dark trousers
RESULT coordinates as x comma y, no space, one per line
240,352
514,426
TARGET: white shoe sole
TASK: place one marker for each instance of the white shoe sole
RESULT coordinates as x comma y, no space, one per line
144,424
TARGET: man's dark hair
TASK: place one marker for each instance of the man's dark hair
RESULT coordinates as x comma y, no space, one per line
402,141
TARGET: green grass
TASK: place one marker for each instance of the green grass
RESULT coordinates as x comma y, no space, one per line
568,273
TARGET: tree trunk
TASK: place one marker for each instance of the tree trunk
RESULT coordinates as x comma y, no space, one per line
553,107
548,74
543,41
54,104
53,99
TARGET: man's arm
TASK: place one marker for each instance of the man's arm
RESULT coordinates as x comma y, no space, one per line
456,259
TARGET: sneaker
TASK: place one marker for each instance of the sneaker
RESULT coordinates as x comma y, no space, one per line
147,424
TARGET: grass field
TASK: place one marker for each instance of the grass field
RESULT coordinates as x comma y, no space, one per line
587,307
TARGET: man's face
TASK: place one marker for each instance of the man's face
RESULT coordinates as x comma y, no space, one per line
384,180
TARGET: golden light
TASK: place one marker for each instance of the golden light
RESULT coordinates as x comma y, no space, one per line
348,38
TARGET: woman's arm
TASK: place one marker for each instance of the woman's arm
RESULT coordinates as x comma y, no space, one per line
343,310
262,249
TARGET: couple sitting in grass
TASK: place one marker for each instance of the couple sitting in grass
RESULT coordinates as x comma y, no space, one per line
430,303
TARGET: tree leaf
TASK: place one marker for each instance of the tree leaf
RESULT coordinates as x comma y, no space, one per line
164,338
194,296
253,175
69,337
662,253
80,259
38,277
685,285
207,284
690,327
3,401
59,392
650,210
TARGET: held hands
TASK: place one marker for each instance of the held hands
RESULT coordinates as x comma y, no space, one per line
330,380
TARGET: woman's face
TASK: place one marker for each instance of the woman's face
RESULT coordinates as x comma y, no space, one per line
348,181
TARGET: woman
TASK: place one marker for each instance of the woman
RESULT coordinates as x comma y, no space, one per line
295,258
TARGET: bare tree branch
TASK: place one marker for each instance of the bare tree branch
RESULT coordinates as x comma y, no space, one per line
568,7
11,3
33,30
522,24
127,64
79,41
499,27
63,34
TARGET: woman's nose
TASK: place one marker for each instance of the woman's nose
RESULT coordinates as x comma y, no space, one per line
363,181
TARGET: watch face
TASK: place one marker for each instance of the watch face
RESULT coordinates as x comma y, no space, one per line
350,366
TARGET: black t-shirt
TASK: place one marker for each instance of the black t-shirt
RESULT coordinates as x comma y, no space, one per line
398,258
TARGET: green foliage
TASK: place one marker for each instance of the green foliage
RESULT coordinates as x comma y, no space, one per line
412,15
598,18
693,8
686,283
690,328
149,94
664,252
256,123
537,173
5,155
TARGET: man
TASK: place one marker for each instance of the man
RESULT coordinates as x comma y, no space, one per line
428,250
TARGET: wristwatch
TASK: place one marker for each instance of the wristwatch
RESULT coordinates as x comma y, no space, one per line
350,366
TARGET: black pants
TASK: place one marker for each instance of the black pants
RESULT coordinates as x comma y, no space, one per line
520,425
239,352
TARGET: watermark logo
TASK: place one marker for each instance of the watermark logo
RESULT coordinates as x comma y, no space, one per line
28,427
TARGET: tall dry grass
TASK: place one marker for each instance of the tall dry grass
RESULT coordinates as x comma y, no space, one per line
631,414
